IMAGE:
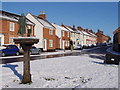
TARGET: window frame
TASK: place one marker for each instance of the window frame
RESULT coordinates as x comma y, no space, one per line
50,31
50,43
12,26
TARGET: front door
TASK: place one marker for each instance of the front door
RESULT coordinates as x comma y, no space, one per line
60,44
63,44
45,44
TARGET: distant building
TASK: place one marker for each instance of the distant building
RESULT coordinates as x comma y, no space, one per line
86,37
72,33
64,37
116,40
101,38
93,37
9,27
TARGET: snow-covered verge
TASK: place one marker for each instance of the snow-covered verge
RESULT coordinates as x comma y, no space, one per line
63,72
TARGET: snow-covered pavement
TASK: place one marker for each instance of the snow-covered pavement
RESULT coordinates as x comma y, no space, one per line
63,72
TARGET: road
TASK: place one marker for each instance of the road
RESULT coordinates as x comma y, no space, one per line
98,51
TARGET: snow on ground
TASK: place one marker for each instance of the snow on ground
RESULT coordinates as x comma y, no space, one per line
63,72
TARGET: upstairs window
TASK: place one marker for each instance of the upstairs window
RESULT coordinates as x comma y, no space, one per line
50,32
63,33
12,26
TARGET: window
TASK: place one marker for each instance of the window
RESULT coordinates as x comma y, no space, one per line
50,43
68,34
29,27
74,34
12,28
50,31
11,40
63,33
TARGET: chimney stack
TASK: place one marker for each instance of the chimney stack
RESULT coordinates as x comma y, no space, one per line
87,30
80,28
99,31
73,26
42,15
91,31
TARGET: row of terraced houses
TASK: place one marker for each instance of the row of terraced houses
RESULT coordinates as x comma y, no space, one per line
51,36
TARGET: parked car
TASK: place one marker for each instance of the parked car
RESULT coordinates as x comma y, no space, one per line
78,47
9,50
33,50
98,45
104,44
85,47
90,46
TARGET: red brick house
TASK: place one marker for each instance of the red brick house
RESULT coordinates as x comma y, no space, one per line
101,38
64,36
10,26
45,31
116,40
71,34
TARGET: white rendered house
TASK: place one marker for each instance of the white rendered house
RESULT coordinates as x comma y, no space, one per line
43,30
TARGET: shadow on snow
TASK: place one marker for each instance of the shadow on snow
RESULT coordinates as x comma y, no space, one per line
12,67
97,57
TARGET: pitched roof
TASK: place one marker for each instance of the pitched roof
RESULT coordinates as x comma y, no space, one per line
44,22
68,28
92,34
79,31
85,33
12,17
60,27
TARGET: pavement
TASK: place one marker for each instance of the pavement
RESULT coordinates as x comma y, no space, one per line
58,53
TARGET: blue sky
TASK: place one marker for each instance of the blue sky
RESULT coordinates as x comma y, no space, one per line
91,15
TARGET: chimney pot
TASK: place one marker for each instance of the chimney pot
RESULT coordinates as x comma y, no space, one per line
42,15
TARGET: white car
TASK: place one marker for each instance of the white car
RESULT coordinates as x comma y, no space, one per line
78,46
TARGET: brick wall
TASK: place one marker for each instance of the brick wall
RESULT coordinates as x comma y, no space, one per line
66,38
7,33
47,36
101,38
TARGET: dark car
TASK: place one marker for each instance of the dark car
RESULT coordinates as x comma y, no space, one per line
104,44
9,50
